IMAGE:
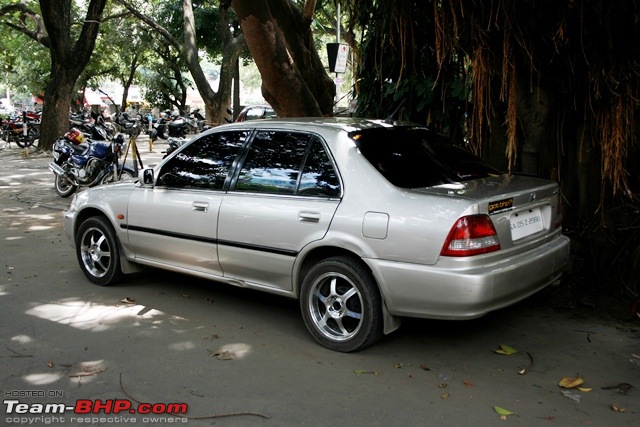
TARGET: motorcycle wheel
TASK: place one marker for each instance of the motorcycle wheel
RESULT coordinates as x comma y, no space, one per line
64,187
32,135
125,175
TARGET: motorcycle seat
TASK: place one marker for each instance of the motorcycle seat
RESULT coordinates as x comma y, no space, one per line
79,149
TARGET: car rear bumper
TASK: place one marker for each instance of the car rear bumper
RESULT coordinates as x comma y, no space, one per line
448,291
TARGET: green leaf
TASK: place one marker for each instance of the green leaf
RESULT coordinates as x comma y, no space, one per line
505,349
502,411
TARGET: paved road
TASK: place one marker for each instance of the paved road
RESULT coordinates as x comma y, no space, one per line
160,338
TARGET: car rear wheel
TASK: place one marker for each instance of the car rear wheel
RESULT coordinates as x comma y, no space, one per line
341,305
98,251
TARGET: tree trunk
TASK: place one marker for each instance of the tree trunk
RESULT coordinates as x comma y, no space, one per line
296,28
216,103
68,59
276,48
533,115
55,111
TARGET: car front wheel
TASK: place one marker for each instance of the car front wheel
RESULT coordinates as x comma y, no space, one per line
98,251
341,305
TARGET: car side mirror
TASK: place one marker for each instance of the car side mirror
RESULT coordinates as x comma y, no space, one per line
147,177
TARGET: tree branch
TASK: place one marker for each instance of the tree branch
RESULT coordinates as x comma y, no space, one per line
39,35
153,24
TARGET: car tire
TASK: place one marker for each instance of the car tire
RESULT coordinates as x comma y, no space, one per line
98,251
341,304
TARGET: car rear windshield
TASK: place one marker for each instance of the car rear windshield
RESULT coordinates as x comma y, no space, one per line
415,157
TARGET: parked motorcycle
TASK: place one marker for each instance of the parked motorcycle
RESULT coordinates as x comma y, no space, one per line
196,121
13,129
81,162
170,127
174,144
128,125
92,125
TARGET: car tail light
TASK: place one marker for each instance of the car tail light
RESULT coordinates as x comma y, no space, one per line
471,235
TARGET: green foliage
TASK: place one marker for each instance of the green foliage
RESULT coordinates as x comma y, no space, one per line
398,69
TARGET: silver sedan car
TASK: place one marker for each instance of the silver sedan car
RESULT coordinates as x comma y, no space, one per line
363,221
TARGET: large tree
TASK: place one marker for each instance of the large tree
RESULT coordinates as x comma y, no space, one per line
69,51
216,102
279,36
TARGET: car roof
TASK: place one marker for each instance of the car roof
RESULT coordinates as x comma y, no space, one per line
348,124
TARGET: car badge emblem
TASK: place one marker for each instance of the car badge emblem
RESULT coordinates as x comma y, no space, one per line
532,197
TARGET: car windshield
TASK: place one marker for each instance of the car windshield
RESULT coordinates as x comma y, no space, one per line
415,157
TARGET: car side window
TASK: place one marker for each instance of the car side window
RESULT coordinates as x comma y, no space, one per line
319,178
204,163
273,163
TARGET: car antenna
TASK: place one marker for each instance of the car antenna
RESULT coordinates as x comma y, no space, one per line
389,119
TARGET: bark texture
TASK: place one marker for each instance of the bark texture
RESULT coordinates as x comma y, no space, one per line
279,38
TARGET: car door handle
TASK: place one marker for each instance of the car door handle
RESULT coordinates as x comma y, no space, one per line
200,206
306,216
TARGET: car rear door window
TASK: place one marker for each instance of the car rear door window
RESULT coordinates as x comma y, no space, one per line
273,163
288,163
319,177
204,163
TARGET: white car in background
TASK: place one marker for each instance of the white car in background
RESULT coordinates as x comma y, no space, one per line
363,221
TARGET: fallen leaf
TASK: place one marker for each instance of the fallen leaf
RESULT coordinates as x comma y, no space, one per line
445,395
468,383
506,350
127,300
50,364
503,412
616,408
398,365
442,385
585,389
568,382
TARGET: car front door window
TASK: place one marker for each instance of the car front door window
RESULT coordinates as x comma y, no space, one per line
203,164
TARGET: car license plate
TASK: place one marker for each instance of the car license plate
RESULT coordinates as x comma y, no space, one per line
526,223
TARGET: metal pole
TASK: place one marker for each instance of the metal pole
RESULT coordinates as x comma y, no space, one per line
337,41
338,24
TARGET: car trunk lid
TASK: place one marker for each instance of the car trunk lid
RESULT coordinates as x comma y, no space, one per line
522,208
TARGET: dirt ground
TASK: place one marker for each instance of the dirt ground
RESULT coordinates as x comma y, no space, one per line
237,357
